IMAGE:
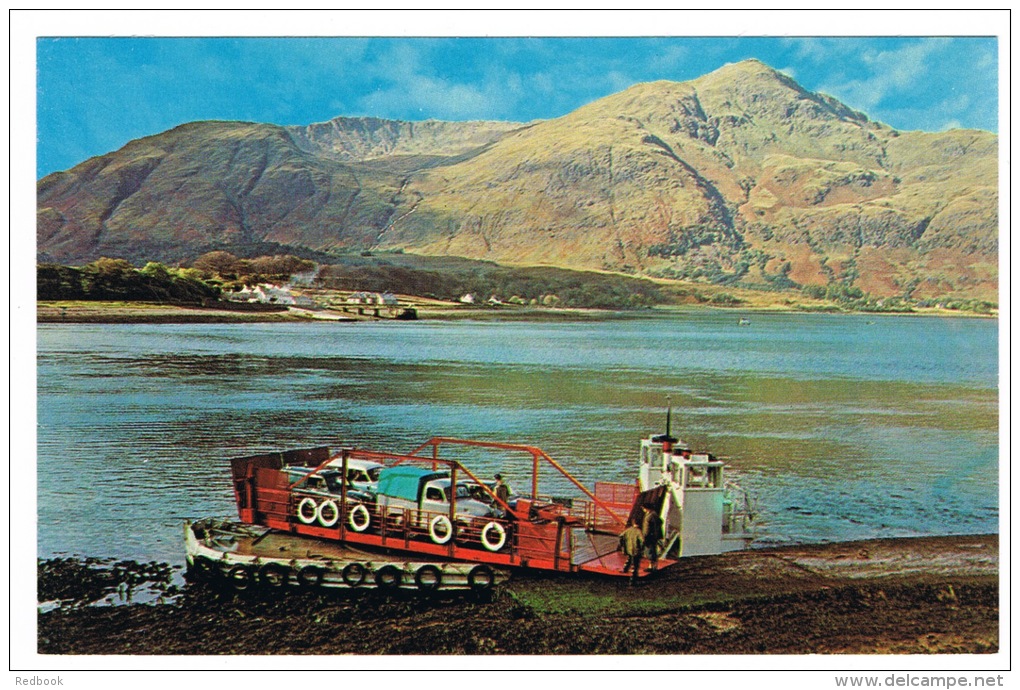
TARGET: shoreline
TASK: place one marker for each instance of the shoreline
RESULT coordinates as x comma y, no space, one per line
101,312
918,595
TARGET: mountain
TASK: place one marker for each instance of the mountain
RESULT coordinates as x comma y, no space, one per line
740,176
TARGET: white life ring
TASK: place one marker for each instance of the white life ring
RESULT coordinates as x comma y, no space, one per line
309,504
359,518
441,537
328,513
487,541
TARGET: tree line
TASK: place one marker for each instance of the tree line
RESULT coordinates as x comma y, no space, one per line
117,279
218,272
525,286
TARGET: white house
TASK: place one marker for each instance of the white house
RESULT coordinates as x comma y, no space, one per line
273,294
387,299
265,293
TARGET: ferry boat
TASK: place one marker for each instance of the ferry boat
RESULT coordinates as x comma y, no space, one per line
428,506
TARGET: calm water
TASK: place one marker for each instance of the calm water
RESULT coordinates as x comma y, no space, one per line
841,427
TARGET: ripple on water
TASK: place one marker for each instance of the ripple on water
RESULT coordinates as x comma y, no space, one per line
136,422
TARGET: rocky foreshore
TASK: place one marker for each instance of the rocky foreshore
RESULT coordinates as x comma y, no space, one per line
894,596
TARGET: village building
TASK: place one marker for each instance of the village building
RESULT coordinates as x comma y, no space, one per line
385,299
264,293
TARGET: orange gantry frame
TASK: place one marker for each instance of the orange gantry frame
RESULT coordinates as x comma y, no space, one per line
566,535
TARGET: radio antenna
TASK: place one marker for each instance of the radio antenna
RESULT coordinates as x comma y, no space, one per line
667,437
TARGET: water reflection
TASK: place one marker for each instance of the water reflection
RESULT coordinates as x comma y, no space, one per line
841,430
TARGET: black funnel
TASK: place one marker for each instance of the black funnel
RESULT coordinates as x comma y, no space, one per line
666,437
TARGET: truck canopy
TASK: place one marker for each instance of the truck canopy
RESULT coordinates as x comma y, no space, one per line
405,481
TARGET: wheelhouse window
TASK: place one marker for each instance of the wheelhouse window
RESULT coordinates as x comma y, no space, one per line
704,477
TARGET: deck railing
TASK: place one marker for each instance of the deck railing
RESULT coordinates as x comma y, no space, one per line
537,528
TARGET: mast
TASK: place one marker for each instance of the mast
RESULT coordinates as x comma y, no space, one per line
667,440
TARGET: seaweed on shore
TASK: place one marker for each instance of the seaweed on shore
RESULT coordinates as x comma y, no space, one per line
827,599
78,582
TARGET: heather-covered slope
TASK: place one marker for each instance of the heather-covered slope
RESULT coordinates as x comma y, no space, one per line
207,184
739,176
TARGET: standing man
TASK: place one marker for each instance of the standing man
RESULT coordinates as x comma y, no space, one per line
651,530
632,544
502,492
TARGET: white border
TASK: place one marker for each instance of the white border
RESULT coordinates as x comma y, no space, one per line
26,26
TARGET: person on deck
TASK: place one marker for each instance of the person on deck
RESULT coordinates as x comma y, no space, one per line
632,544
651,531
502,492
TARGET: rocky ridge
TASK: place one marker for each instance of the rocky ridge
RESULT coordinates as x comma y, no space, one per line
738,177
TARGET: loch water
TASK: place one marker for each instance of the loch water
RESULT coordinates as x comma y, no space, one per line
839,427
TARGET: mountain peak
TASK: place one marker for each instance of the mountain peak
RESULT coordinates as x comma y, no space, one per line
750,74
740,176
750,65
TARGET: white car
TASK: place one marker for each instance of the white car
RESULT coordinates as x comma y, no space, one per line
362,475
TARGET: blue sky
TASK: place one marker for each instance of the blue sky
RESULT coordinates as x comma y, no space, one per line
96,94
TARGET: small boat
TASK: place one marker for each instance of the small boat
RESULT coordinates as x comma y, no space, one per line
429,507
247,557
744,322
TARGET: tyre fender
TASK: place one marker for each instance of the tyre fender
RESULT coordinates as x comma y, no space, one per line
241,577
428,578
353,574
274,575
493,536
328,513
359,518
389,577
311,576
307,510
481,578
441,529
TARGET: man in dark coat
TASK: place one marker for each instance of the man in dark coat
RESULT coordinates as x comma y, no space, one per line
632,544
651,531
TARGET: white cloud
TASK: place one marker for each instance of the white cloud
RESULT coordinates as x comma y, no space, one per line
618,81
670,60
985,60
810,49
958,102
433,98
891,72
408,85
